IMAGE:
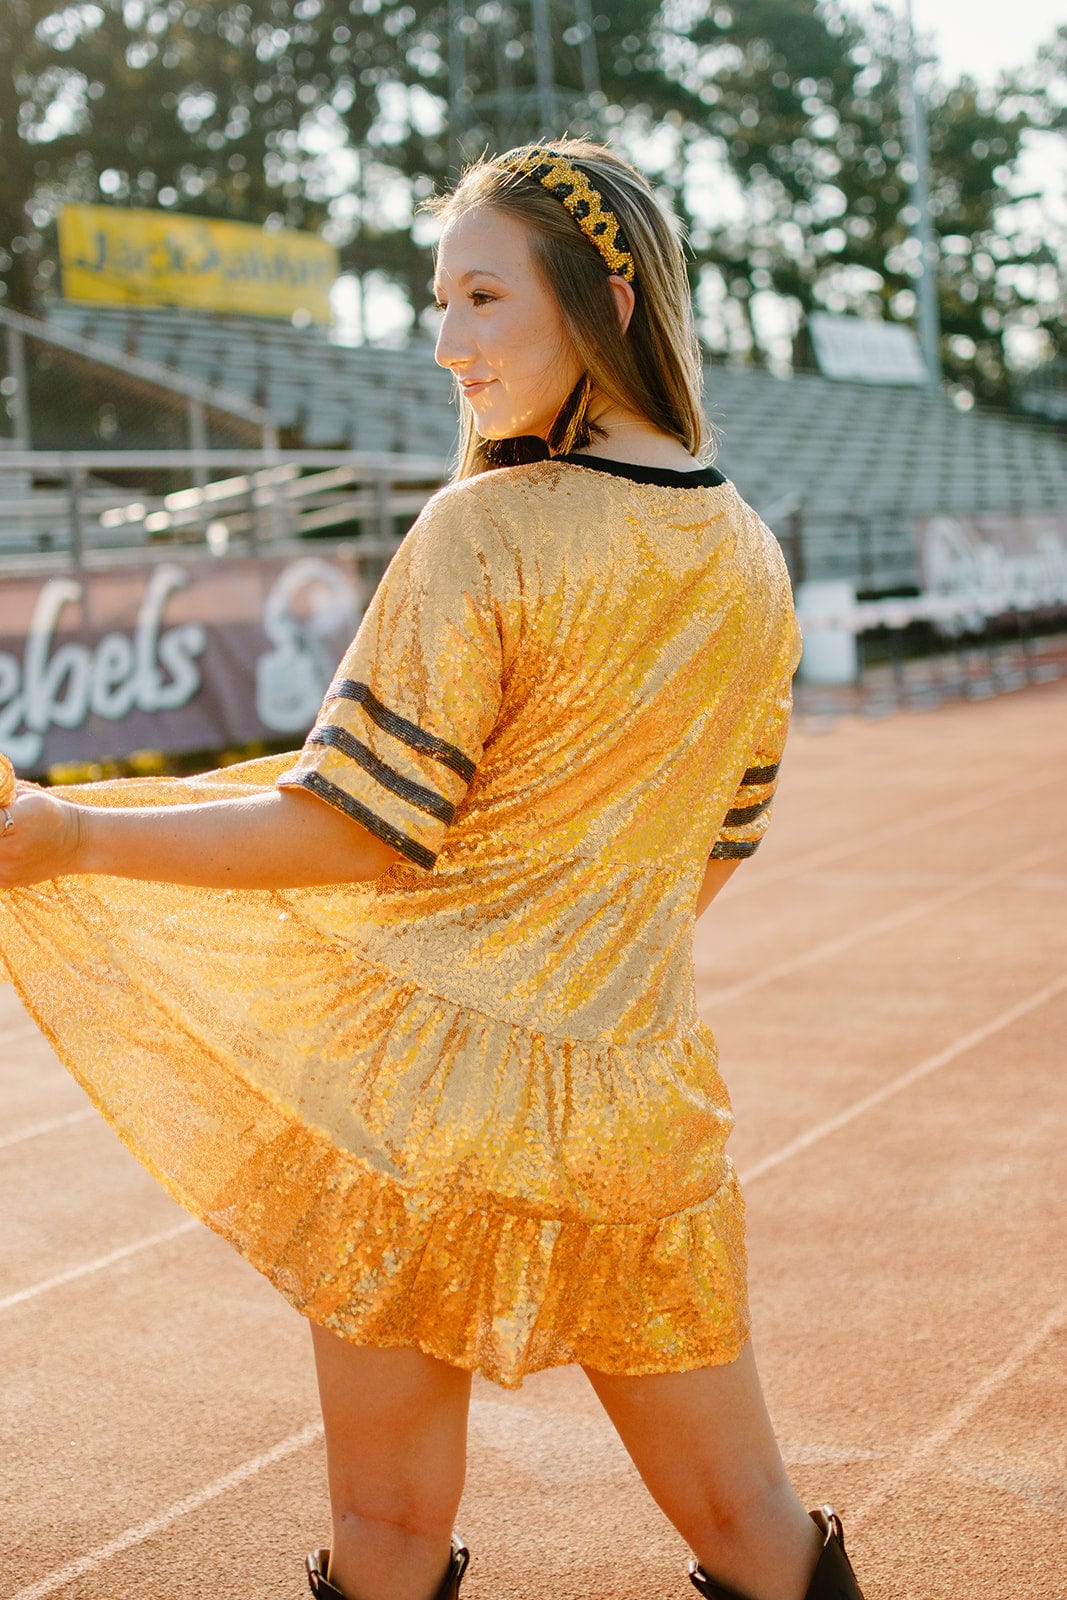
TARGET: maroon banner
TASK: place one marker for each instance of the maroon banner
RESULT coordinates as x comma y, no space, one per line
183,655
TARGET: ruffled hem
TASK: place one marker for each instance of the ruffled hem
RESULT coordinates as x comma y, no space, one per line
405,1172
481,1287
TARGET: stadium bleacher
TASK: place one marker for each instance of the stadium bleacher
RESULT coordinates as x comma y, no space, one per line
132,429
857,461
320,394
861,461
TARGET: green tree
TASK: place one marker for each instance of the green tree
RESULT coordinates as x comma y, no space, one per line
29,87
774,126
240,110
807,116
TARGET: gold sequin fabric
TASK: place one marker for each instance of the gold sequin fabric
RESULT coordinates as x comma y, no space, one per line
470,1108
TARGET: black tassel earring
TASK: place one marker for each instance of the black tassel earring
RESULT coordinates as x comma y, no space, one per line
572,429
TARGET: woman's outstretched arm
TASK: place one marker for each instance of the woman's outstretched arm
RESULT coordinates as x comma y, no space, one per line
281,839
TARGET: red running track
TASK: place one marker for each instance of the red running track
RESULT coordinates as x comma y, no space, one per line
888,981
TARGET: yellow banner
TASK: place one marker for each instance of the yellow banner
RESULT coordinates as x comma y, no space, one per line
150,258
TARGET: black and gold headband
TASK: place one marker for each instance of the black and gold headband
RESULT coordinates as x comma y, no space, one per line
572,188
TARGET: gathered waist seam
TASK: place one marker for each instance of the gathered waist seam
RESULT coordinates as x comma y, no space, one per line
594,1042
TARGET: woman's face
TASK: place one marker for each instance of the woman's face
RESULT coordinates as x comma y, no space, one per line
502,333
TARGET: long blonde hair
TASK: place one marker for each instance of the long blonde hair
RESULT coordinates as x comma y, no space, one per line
654,368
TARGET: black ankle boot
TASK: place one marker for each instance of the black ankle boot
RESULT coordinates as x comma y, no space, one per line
833,1578
318,1564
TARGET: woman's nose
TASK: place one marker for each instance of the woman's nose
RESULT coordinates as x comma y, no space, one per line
449,350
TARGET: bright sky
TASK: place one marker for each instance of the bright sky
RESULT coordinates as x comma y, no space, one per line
982,36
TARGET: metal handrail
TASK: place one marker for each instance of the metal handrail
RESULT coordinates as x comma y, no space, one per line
375,463
270,499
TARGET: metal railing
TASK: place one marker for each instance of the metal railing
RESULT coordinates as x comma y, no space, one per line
58,508
873,629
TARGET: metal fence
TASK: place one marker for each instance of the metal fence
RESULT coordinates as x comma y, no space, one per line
71,508
910,610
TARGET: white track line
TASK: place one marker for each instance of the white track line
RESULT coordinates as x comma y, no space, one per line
310,1434
36,1129
762,877
960,1415
804,1141
870,930
940,1058
98,1265
928,1446
159,1524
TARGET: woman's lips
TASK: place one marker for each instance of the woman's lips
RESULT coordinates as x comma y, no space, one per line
475,386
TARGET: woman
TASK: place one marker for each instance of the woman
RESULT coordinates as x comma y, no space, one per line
409,1018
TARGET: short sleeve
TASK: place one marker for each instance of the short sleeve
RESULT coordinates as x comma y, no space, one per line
749,815
401,730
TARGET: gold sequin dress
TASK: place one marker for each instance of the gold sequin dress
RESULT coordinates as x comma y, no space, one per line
470,1107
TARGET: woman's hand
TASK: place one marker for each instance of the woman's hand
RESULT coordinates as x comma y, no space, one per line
42,841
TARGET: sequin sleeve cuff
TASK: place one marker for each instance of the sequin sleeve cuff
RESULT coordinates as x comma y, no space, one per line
402,727
397,779
749,816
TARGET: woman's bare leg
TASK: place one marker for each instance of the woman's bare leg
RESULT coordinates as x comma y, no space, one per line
396,1454
703,1444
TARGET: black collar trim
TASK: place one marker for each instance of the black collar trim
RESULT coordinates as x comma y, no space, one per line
668,477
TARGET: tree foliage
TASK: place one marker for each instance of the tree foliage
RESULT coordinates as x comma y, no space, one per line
775,126
808,110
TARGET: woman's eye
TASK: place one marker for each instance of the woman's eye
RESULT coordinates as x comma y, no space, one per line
477,297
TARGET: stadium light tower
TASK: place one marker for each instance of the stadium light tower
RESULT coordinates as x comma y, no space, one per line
506,61
922,228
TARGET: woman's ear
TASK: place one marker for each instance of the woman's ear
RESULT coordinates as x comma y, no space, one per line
623,295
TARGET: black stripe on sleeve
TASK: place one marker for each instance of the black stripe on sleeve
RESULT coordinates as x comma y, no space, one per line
760,775
428,800
317,784
734,849
408,732
740,815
